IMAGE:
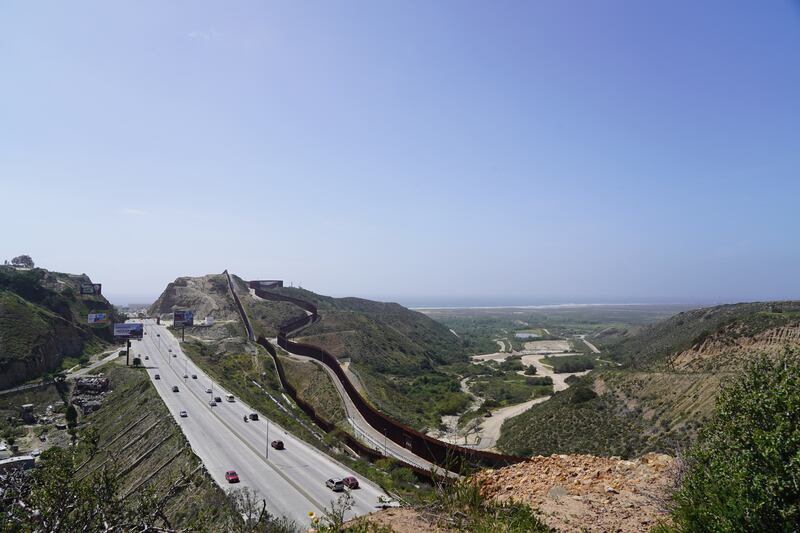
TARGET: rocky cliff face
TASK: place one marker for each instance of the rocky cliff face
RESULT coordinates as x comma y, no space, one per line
730,348
33,342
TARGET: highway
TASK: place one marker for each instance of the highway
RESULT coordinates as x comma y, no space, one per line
292,481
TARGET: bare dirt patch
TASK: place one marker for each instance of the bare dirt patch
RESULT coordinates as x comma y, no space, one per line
548,347
587,493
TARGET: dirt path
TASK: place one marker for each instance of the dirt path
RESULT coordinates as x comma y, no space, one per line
591,346
489,431
490,427
353,378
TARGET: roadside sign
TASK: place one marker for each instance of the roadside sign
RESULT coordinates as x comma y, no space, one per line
99,318
91,288
129,330
183,318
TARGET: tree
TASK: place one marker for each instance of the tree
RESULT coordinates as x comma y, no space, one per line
72,416
743,474
530,370
24,261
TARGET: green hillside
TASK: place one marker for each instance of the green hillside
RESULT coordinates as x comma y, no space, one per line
43,321
654,344
397,354
667,385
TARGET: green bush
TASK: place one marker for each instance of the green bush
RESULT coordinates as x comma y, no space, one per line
583,394
570,363
530,370
744,471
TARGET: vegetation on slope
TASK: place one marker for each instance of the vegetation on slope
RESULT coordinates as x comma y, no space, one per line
395,352
132,469
43,319
656,343
313,385
743,471
668,385
575,420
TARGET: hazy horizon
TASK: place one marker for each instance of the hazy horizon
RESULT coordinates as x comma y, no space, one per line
523,153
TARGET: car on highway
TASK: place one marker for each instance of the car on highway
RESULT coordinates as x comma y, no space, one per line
157,376
277,444
350,482
174,355
212,403
231,476
217,399
194,376
184,414
336,485
186,376
169,350
230,398
158,334
253,416
208,390
174,388
146,357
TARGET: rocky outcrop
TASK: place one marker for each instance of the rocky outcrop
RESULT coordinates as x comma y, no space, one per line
205,295
587,493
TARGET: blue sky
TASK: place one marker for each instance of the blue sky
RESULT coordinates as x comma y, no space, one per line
425,152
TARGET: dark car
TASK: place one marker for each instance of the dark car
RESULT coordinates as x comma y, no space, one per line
277,444
194,376
217,399
174,388
336,485
157,376
253,416
231,476
487,414
350,482
158,334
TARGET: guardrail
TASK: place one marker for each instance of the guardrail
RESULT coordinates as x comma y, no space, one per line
436,451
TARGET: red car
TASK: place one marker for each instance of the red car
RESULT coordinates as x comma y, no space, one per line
231,476
350,482
277,444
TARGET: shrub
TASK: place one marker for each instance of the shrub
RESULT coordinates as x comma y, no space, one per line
72,416
530,370
582,394
742,474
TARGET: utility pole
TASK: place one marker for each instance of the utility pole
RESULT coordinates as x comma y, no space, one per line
267,446
385,452
128,353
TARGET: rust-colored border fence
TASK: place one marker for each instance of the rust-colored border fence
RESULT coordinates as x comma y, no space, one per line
429,448
307,408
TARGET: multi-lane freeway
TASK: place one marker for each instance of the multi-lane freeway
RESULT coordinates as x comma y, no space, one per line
292,481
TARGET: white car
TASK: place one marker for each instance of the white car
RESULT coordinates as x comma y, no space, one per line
208,391
184,414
